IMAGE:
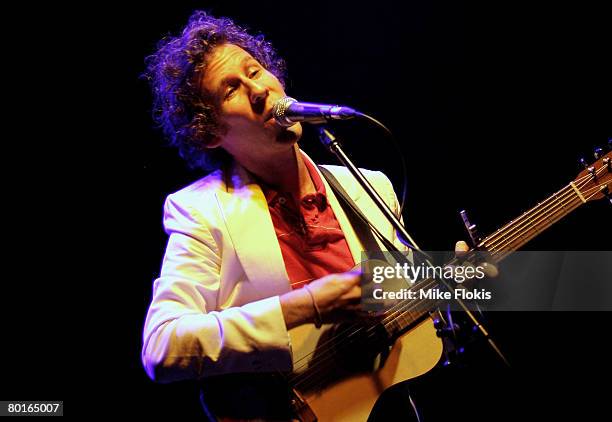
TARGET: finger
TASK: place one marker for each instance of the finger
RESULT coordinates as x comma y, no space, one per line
490,270
370,315
353,306
353,277
354,294
461,248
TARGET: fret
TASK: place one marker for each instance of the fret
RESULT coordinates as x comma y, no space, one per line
561,204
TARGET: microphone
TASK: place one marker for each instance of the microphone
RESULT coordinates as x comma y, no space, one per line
288,111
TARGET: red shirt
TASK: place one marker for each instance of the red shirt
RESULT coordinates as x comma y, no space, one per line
310,238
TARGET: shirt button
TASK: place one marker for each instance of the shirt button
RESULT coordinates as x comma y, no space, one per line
282,200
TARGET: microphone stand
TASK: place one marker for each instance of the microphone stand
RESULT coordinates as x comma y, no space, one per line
330,141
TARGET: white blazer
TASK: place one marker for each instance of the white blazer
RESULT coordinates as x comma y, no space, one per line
215,306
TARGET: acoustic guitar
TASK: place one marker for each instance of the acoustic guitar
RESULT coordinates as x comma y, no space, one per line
340,370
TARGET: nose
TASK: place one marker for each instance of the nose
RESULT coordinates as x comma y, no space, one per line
257,91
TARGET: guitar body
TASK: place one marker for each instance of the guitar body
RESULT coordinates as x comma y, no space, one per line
352,397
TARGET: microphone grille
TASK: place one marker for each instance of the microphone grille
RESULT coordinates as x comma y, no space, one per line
280,108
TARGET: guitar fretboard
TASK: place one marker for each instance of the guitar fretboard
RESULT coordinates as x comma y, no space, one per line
500,244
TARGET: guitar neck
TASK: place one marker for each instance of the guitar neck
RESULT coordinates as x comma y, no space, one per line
521,230
500,244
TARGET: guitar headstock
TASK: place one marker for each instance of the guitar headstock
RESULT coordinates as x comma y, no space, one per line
595,181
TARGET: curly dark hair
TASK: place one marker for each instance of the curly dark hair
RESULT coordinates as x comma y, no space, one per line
187,117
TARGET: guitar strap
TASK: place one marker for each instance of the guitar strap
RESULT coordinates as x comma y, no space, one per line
350,208
366,228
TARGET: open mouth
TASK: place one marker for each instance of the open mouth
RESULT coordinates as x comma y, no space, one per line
268,116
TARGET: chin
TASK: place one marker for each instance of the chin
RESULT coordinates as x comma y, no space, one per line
290,135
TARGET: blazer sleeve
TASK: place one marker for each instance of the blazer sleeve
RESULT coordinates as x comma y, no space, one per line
184,336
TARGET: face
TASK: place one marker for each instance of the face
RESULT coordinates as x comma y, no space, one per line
244,93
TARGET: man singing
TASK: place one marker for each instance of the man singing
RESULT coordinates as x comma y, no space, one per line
260,245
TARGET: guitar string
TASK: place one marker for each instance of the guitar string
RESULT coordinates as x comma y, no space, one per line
406,309
520,239
527,215
389,316
369,330
562,205
318,366
563,202
503,240
526,218
578,183
497,253
502,253
329,341
508,237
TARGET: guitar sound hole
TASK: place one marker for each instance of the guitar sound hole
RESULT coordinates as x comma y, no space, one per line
346,350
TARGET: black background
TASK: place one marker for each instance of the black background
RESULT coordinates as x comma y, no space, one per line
492,104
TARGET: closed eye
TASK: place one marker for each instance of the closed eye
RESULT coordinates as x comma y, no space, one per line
230,91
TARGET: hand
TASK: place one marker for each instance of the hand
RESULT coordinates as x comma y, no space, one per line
335,297
461,249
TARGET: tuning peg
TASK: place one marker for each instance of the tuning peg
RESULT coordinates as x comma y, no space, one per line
445,332
583,163
471,228
598,153
606,191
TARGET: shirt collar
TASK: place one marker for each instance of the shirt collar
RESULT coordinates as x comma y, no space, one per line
270,193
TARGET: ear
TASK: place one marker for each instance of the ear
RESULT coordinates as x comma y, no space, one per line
217,140
214,143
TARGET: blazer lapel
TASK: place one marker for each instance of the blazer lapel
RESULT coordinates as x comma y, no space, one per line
250,227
